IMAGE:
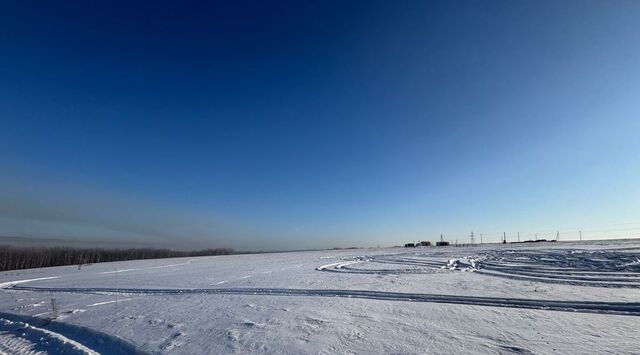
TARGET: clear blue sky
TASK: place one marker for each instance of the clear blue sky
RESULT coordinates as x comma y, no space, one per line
317,123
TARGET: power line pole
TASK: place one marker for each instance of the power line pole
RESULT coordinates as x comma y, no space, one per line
580,235
557,236
504,236
518,237
480,238
472,241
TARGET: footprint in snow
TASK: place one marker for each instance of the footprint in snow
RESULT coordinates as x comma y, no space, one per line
173,342
76,311
161,322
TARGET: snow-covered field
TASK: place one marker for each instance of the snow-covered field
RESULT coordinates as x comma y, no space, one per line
527,298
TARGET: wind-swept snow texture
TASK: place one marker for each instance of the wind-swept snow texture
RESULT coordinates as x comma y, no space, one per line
543,298
30,335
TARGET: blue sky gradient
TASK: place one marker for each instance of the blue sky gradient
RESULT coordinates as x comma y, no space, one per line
318,124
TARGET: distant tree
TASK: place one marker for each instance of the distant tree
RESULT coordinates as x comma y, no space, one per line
14,258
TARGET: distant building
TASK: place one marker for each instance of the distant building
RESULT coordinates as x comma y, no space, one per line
410,245
442,243
425,243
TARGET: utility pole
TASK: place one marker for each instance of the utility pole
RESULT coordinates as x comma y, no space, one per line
472,241
580,235
480,238
518,237
557,236
504,236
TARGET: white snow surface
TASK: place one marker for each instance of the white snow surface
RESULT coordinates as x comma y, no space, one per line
537,298
22,337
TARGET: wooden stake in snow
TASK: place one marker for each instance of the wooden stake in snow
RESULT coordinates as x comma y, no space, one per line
54,309
116,303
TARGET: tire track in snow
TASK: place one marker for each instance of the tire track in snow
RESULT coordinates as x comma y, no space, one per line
237,279
547,279
15,282
608,269
595,268
108,302
147,268
345,267
617,308
338,265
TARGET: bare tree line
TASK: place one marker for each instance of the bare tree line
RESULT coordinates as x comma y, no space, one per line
14,258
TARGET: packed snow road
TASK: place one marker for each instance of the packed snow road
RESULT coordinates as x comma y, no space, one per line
620,308
542,298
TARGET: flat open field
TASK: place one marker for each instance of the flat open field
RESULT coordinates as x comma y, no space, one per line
560,297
